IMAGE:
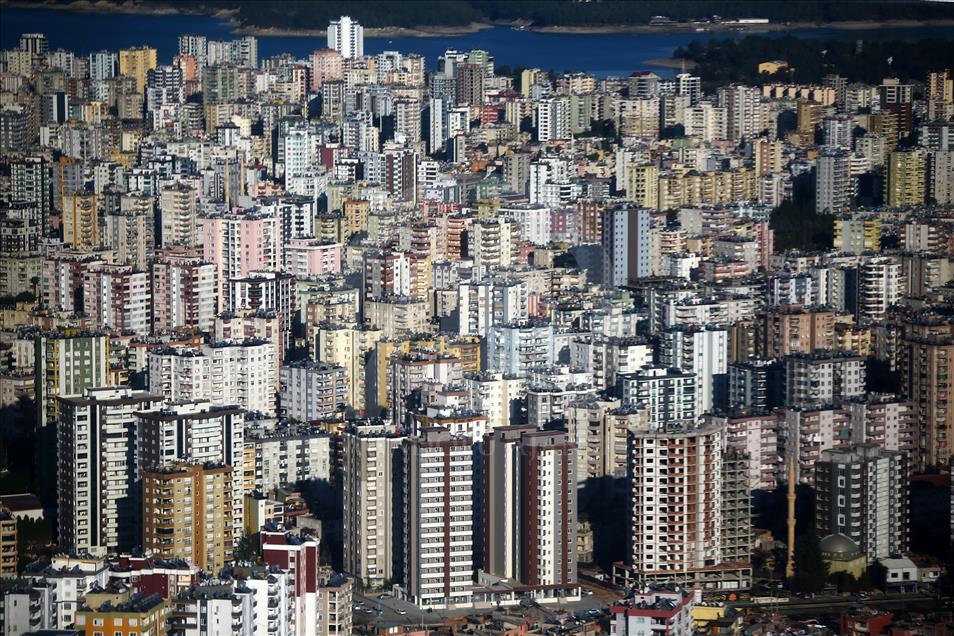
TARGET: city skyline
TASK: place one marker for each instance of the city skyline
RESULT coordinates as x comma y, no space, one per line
354,343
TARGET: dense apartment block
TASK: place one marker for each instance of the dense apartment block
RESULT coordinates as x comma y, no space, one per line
188,513
862,493
529,510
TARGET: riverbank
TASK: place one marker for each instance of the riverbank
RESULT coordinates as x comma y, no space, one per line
702,27
671,62
385,32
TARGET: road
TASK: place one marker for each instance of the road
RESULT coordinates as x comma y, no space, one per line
795,605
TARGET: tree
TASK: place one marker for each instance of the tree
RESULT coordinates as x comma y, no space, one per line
247,548
811,571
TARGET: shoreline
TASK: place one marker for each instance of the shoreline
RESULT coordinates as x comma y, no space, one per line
690,28
676,63
373,33
137,7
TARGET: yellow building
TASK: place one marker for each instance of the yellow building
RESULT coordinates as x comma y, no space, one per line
772,67
260,510
642,185
528,77
857,235
707,188
80,220
123,615
136,63
348,346
905,181
8,544
356,212
850,337
188,513
464,348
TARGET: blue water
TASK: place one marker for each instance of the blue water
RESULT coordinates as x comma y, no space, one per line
601,55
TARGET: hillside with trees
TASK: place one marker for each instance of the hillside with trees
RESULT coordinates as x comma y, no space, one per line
315,14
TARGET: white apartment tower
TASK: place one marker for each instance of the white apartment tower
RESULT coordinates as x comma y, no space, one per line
98,469
834,185
703,352
347,37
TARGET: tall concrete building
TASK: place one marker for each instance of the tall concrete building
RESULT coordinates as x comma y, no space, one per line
941,177
373,517
881,285
98,472
184,292
239,244
816,379
178,205
116,297
469,84
703,352
80,220
516,348
438,519
313,390
349,346
529,510
347,37
287,455
188,513
191,431
490,243
626,245
65,364
862,493
136,63
794,329
926,362
553,119
31,179
905,181
667,394
8,544
130,230
676,520
743,107
835,187
482,304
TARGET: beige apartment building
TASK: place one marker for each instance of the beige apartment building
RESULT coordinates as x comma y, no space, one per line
188,513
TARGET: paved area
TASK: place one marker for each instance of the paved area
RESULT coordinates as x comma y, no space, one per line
371,608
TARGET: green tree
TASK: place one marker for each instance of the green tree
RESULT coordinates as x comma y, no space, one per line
811,571
247,548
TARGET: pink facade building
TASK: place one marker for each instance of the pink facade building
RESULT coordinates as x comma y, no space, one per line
312,257
117,298
185,292
239,243
326,65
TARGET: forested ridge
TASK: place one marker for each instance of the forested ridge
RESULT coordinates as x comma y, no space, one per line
315,14
723,61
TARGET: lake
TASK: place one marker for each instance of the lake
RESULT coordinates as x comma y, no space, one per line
598,54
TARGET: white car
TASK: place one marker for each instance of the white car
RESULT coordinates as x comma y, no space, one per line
401,612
